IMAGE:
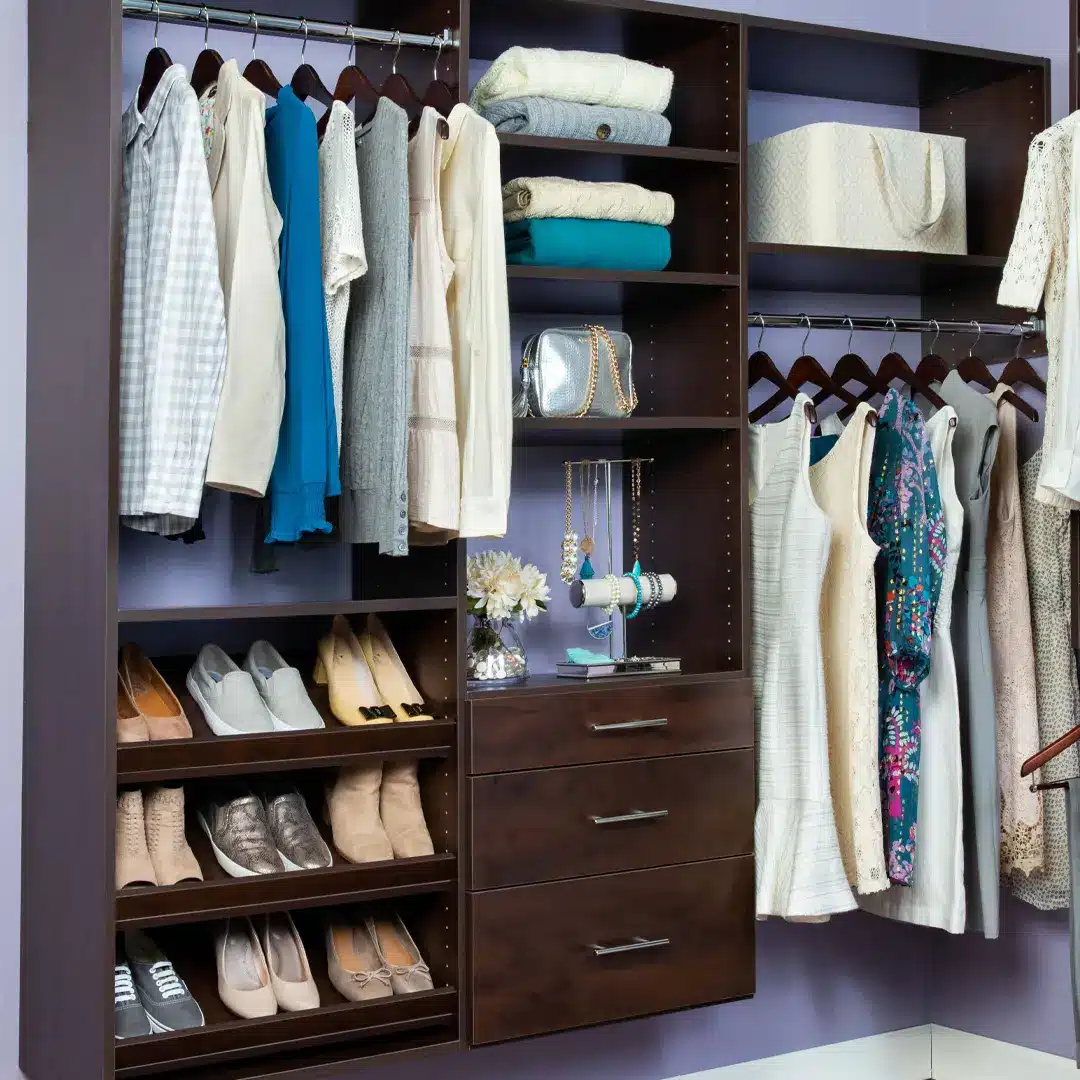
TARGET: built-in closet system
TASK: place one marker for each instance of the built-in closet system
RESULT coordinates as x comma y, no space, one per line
533,917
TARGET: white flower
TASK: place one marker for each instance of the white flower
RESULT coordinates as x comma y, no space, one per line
534,591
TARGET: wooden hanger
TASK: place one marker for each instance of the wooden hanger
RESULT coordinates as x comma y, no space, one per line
760,368
1048,753
894,366
397,87
209,63
157,63
1019,370
807,369
853,368
438,95
932,367
306,81
353,86
258,72
972,369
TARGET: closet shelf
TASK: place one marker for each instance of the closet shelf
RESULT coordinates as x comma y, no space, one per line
328,608
799,268
226,1039
208,755
539,685
642,277
219,897
586,146
601,431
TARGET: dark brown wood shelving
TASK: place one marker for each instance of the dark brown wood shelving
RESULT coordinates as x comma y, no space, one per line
286,611
600,431
635,277
798,268
220,896
553,684
615,149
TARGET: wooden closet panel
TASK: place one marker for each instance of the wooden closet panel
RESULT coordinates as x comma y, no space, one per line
535,968
582,725
558,823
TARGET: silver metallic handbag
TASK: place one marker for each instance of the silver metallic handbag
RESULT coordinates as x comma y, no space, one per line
574,371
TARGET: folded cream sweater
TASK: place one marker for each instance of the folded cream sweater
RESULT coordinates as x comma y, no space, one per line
555,197
590,78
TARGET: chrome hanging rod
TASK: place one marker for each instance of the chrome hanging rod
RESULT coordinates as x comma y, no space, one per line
1029,328
278,24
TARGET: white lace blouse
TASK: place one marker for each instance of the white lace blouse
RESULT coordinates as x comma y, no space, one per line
344,258
1044,265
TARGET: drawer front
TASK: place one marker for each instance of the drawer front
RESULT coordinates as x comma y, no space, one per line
564,955
600,819
581,728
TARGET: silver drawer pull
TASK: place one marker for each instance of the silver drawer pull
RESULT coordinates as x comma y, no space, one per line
634,945
629,725
634,815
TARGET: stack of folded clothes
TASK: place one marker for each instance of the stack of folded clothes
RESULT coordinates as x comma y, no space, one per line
551,221
576,95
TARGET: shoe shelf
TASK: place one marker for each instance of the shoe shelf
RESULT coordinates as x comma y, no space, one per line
286,611
220,896
354,1027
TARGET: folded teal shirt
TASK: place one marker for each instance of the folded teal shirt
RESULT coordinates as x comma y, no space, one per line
578,242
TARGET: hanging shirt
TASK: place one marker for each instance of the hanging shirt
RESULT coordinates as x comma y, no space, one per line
248,227
305,471
479,312
907,524
173,342
343,255
1044,265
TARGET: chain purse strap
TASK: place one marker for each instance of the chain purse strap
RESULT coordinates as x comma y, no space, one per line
626,404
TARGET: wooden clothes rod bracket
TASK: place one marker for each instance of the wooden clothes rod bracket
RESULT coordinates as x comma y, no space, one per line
1029,328
279,24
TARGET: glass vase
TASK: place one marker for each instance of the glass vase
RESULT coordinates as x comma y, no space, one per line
496,656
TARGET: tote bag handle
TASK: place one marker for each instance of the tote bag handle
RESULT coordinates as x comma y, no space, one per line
910,223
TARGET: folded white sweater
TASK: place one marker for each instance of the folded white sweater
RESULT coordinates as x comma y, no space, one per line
586,77
556,197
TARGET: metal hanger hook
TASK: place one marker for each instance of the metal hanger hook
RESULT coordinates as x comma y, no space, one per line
206,30
978,335
851,333
438,42
892,343
761,318
937,333
809,329
397,38
157,21
352,43
303,48
1020,343
253,18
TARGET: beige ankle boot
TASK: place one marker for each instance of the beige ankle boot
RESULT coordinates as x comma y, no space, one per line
402,812
133,865
352,808
173,859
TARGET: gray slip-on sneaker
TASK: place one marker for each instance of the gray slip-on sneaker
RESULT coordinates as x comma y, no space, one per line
240,835
227,696
164,995
296,837
282,689
131,1019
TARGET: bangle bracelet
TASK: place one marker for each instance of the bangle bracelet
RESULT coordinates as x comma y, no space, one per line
656,591
635,577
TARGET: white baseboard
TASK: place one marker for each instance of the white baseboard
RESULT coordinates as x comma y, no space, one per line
896,1055
958,1055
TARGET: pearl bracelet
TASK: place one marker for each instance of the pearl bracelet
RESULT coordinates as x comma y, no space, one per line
614,592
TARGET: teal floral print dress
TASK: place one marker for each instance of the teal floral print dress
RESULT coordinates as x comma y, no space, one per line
907,522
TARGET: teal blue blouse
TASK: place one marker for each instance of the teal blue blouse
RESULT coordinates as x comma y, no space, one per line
306,467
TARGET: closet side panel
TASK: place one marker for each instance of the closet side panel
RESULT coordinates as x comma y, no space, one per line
71,534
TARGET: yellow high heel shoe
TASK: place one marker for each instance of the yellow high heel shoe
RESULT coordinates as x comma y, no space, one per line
341,665
395,686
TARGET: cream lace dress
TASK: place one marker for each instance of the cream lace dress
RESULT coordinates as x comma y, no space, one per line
800,874
1043,265
841,482
1012,647
937,897
344,258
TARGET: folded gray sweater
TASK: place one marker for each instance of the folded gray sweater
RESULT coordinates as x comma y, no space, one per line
571,120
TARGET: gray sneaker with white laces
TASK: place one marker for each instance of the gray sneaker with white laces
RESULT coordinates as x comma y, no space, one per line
131,1019
164,995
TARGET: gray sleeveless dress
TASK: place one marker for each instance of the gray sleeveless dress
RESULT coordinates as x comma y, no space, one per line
974,450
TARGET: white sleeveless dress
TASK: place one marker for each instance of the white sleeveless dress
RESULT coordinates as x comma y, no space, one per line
841,483
937,897
800,874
